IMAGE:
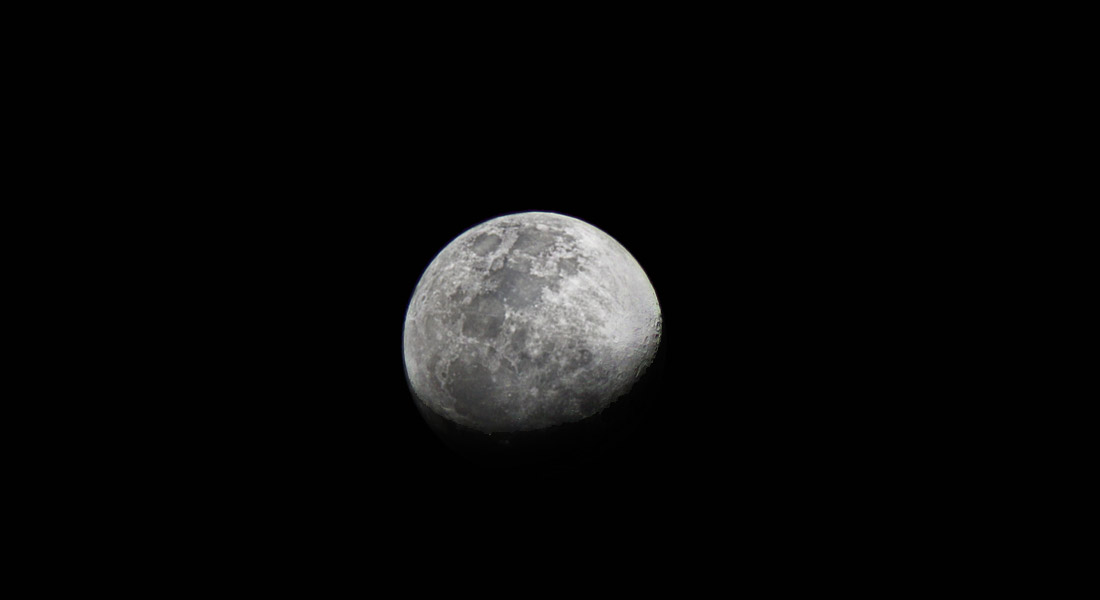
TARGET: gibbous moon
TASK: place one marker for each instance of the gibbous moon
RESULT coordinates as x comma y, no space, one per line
529,321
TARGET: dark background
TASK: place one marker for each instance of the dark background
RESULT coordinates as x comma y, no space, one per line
766,263
766,384
772,208
259,193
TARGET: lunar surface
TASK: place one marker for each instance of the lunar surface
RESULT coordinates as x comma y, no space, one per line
528,321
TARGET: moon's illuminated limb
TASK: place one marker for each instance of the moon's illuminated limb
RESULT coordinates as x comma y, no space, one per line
529,321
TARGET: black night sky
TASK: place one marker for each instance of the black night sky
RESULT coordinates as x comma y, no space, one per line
786,187
754,384
759,227
772,313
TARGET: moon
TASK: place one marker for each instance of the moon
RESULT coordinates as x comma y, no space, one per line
529,321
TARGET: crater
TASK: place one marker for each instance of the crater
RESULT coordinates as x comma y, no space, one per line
535,242
517,288
485,243
578,358
471,386
519,338
568,266
484,317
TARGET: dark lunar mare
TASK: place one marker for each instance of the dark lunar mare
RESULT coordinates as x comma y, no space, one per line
582,442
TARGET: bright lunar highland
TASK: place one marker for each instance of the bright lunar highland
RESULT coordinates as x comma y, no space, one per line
528,321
